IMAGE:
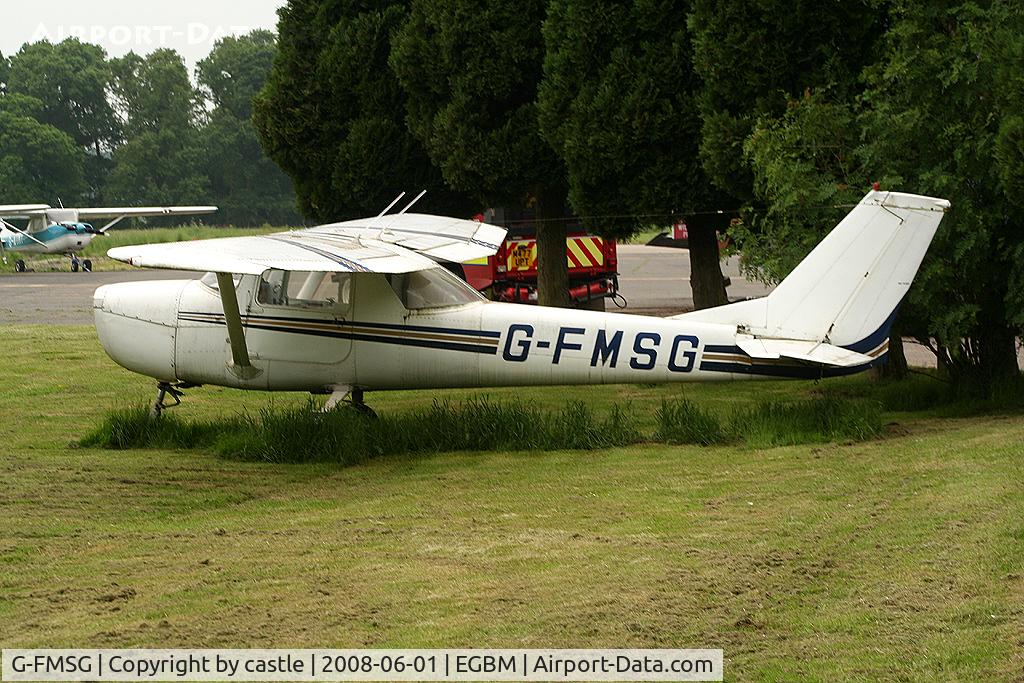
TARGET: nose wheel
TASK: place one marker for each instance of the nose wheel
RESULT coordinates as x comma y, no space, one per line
163,391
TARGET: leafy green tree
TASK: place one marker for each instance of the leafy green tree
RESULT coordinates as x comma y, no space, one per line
247,186
618,104
71,80
153,93
754,55
161,162
471,71
943,118
332,114
5,68
159,168
940,116
236,70
38,162
22,105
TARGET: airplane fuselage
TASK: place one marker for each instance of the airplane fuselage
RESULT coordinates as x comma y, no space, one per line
56,239
175,332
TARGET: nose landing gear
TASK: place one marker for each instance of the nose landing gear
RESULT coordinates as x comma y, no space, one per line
163,390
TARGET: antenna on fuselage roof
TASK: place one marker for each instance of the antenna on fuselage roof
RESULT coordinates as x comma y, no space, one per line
409,205
388,207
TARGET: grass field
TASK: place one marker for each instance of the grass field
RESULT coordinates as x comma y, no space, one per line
900,558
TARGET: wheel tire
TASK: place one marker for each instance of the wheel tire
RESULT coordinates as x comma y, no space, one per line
87,266
74,266
362,410
19,266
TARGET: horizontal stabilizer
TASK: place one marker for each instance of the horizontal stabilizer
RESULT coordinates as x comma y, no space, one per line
818,353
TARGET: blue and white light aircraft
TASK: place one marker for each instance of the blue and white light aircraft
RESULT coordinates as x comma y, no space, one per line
367,305
65,231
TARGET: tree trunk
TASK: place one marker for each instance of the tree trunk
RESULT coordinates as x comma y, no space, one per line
989,362
997,353
552,263
895,366
705,267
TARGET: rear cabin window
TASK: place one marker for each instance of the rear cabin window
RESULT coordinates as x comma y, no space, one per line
304,289
431,288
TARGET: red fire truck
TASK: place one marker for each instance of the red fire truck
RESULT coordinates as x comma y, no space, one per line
511,274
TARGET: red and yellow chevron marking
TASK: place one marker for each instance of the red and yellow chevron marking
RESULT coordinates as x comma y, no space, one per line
581,252
585,252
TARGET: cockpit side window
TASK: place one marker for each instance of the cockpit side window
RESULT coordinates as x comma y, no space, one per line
432,288
304,289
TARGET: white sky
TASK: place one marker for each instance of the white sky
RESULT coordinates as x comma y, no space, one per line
189,26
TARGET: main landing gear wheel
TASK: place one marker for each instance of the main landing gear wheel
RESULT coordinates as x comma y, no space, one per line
19,266
349,399
74,265
86,266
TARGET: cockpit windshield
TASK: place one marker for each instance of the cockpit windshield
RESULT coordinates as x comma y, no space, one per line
431,288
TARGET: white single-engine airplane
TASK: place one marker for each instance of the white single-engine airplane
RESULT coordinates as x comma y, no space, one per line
366,305
63,231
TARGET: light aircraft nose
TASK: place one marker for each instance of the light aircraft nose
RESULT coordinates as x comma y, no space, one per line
137,322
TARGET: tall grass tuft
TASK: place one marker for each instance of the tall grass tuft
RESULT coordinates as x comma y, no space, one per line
775,423
681,421
304,434
301,434
132,427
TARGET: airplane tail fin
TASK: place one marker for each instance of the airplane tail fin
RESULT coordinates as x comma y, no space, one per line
845,293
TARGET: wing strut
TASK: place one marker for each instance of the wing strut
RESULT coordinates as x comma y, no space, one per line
240,364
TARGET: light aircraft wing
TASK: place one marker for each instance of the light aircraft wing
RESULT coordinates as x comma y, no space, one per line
390,244
143,211
22,210
438,237
297,250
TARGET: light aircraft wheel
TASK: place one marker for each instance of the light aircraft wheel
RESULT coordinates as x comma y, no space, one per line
362,409
19,266
87,266
74,266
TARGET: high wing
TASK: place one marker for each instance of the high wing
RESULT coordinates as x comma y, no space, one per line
358,246
118,214
438,237
22,210
143,211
